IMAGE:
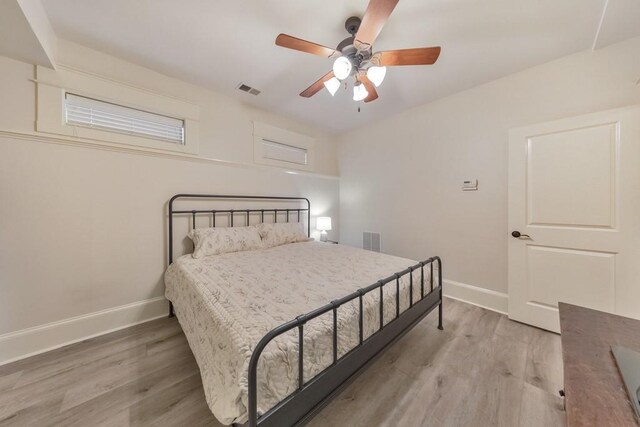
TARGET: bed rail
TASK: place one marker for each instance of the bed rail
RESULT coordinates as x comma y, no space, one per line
313,395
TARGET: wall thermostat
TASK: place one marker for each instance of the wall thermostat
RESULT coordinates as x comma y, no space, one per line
470,185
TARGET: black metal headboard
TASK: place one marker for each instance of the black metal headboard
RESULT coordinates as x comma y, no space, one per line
230,213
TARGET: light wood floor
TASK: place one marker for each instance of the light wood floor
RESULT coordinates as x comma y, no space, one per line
482,370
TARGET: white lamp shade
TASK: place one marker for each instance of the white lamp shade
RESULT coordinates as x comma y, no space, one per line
359,92
376,75
323,223
332,85
342,68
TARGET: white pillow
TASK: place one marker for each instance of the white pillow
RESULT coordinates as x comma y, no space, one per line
281,233
221,240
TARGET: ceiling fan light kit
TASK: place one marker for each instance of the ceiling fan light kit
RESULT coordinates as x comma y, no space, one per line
342,67
354,57
376,74
332,85
359,92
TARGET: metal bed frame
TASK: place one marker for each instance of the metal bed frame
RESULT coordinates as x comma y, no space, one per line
314,394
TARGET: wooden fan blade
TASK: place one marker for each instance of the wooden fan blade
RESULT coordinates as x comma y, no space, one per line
305,46
417,56
371,88
374,19
317,86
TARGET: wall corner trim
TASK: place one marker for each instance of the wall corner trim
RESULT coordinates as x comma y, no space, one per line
39,339
481,297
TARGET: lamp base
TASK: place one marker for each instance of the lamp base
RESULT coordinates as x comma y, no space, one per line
323,236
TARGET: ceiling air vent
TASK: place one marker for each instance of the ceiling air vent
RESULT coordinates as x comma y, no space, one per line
245,88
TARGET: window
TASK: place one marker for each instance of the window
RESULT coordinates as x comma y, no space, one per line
281,147
283,152
91,113
90,109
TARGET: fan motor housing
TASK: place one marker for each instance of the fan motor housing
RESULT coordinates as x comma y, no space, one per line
344,44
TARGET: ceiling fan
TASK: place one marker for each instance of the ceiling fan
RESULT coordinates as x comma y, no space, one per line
354,55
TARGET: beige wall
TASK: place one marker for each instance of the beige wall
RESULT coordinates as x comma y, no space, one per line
403,176
83,228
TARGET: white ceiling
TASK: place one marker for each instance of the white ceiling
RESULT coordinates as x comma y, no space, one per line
218,44
620,21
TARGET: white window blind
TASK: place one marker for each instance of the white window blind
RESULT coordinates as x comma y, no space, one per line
88,112
283,152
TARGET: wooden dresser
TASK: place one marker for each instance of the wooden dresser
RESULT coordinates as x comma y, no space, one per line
595,394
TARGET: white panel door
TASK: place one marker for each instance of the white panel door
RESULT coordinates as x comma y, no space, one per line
574,198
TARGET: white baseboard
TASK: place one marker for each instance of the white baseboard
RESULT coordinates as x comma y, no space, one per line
485,298
29,342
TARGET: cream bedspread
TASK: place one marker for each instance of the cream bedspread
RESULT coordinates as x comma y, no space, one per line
227,303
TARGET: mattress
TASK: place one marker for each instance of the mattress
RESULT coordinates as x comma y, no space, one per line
227,303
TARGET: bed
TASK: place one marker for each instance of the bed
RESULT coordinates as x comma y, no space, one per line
278,332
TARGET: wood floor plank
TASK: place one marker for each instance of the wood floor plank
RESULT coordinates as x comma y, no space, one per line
443,399
151,387
8,381
143,331
176,407
81,376
482,370
515,330
123,373
63,360
390,388
31,414
500,382
120,419
544,367
460,372
416,350
540,408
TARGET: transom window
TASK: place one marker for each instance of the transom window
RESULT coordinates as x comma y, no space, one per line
284,152
95,114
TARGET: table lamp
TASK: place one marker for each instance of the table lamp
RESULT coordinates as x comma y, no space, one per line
323,223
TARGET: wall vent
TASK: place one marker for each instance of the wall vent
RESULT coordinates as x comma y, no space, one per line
371,241
245,88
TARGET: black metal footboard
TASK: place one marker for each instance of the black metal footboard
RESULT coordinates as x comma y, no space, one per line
313,395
